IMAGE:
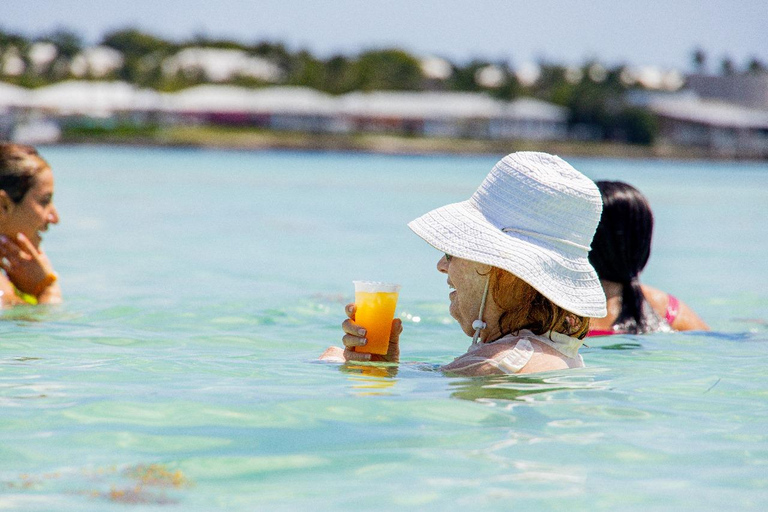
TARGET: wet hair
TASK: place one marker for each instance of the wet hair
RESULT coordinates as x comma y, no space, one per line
524,307
621,248
19,166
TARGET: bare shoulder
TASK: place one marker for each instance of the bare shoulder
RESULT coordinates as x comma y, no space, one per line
687,319
658,299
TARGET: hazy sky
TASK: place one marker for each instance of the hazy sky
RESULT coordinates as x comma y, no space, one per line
641,32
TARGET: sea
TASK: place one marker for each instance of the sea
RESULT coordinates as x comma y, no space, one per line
201,285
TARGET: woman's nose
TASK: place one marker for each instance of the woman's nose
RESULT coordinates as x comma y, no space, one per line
442,265
53,215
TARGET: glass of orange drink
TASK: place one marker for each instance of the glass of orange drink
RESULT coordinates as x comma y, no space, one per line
376,304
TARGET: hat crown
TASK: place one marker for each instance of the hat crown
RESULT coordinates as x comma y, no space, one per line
540,194
534,216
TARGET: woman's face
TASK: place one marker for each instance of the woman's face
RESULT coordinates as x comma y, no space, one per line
467,280
34,212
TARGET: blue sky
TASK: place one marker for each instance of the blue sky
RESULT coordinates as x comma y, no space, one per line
645,32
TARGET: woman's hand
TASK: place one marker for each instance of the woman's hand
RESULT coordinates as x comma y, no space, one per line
355,337
27,267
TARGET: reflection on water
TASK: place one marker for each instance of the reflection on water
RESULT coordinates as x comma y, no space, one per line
370,378
510,388
621,346
26,313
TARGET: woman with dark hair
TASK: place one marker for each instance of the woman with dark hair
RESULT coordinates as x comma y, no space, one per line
620,251
26,210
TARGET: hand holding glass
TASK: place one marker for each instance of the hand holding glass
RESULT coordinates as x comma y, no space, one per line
376,303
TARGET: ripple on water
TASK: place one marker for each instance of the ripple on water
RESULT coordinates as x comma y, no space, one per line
180,414
226,468
137,442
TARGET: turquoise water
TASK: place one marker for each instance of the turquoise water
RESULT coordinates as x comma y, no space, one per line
201,286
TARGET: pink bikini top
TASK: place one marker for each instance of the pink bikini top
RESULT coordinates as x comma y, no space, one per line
673,309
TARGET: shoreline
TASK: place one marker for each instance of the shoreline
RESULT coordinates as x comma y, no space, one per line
258,139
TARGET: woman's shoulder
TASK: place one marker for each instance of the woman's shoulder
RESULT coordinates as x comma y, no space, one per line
677,313
521,352
507,355
658,299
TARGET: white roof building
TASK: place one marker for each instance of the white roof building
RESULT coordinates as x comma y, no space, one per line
12,95
725,129
11,63
454,114
208,98
42,54
446,114
442,105
420,105
710,113
750,89
295,101
97,99
530,108
233,99
219,65
98,61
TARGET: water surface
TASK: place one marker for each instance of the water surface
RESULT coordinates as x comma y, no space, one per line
201,286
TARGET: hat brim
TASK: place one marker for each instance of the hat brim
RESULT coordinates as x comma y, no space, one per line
561,273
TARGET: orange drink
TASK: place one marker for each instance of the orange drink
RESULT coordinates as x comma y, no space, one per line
376,304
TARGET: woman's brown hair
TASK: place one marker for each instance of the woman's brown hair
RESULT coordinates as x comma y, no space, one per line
19,165
525,308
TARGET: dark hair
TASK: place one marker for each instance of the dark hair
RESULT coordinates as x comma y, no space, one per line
621,248
19,165
524,307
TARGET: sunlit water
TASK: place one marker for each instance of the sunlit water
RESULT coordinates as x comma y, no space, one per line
201,286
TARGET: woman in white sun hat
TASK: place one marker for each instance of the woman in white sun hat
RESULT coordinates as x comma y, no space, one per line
516,257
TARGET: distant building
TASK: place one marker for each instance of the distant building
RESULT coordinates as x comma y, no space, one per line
277,108
39,114
220,65
41,55
431,114
212,104
97,62
300,109
11,62
12,96
530,119
12,100
96,100
725,129
453,114
750,89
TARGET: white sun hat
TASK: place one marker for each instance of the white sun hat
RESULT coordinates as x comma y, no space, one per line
534,215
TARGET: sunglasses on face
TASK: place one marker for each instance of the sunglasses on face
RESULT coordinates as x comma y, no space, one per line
447,257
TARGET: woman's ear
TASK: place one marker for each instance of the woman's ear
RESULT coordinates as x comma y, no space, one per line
483,269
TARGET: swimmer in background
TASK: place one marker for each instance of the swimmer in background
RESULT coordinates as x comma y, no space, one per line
515,257
26,210
620,251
